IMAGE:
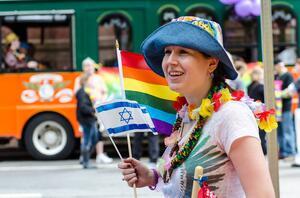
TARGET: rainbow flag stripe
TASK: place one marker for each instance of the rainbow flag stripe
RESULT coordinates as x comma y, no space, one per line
150,90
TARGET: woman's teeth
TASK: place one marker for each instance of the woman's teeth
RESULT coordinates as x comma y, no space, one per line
175,73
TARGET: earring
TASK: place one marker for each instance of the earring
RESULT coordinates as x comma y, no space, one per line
212,75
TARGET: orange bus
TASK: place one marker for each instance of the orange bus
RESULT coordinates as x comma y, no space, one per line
38,58
39,108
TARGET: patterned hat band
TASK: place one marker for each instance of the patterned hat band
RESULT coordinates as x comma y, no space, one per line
210,27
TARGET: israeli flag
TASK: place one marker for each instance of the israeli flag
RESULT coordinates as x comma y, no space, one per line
121,116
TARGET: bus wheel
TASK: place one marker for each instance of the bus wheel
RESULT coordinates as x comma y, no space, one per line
49,137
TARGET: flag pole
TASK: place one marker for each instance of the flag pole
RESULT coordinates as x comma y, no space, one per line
124,97
113,142
267,44
120,70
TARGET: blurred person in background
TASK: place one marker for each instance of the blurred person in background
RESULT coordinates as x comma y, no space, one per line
85,114
97,90
286,132
153,147
294,88
14,59
256,91
241,68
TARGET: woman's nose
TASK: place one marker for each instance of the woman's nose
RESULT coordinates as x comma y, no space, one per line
172,59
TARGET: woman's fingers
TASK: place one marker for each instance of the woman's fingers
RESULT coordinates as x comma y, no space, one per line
132,161
132,181
128,177
123,165
128,171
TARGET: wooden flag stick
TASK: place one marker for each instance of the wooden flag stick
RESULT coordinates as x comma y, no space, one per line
113,142
130,155
196,187
267,44
120,66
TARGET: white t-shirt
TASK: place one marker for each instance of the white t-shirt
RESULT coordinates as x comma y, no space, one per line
233,120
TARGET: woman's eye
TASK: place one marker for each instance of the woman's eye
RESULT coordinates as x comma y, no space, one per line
167,51
183,52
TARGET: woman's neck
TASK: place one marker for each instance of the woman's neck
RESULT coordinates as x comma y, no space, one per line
197,96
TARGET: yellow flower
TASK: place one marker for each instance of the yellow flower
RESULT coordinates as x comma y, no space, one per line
269,124
194,115
226,96
206,108
193,112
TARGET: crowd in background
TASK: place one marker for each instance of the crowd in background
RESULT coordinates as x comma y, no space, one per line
250,80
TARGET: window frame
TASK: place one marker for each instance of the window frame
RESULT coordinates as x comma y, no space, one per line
70,12
128,19
206,8
163,8
253,20
287,9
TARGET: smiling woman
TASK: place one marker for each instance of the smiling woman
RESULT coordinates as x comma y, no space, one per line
189,53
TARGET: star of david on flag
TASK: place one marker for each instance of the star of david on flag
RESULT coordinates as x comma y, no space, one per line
121,116
126,115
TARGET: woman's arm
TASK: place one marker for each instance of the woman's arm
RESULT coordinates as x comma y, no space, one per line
248,159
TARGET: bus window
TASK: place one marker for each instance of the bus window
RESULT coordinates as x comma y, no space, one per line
202,12
241,35
284,24
36,42
111,28
167,14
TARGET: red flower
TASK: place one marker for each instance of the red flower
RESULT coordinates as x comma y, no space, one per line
264,115
180,101
205,192
237,95
216,101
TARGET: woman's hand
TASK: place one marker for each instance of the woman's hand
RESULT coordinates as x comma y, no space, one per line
135,172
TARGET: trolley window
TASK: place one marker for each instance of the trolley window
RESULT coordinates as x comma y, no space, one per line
36,42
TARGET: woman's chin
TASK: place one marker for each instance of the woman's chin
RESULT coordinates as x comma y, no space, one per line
176,88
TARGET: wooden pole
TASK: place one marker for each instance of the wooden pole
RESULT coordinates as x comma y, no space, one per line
267,44
120,66
197,175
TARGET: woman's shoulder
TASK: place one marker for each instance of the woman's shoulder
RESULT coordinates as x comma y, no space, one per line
235,108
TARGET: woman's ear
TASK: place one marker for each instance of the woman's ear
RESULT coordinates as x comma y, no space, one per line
213,64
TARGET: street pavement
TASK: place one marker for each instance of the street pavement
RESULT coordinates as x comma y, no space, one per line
67,179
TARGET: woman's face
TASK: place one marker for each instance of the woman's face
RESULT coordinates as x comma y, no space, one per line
186,70
89,68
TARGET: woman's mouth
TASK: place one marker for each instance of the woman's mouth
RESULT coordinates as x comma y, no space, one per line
175,74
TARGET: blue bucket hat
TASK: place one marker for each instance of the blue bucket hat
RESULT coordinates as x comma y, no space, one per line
191,32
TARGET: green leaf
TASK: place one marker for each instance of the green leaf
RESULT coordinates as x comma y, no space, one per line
60,85
30,85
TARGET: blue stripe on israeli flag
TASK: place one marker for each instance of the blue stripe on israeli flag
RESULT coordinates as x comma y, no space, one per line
129,128
107,107
148,119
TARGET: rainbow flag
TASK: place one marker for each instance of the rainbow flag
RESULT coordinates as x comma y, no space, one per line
150,90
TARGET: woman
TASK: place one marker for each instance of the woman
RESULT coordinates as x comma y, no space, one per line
85,114
221,135
97,91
